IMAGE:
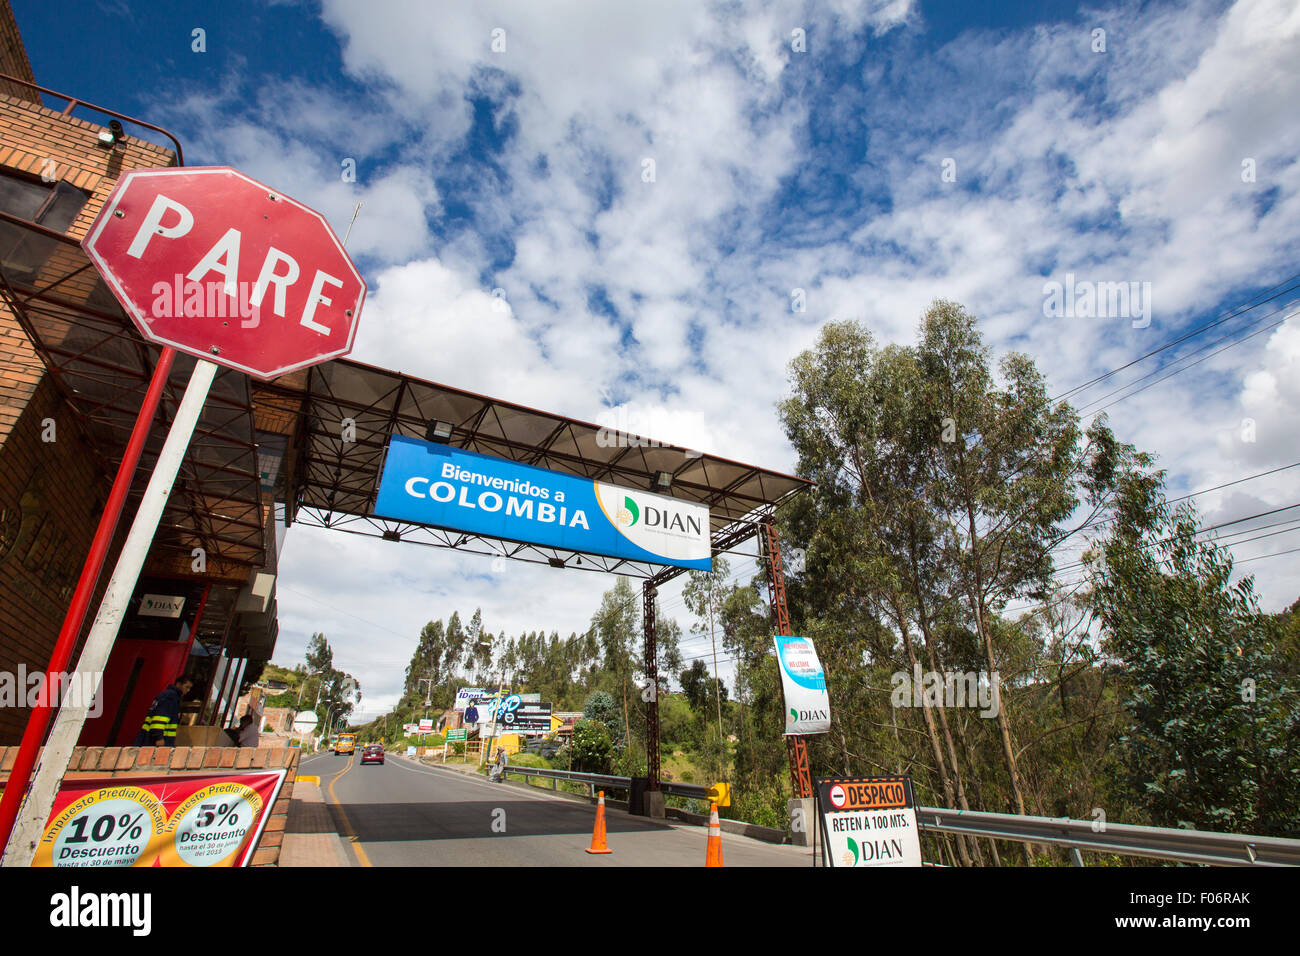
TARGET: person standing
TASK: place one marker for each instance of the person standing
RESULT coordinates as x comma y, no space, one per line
159,727
248,734
499,770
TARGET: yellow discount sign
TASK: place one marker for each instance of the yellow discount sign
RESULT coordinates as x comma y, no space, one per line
213,819
109,826
211,826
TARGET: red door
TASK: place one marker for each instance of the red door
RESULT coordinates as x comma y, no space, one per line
137,670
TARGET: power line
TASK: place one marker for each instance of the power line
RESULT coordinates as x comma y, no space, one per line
1199,531
1273,293
1085,408
1261,557
1294,525
1229,484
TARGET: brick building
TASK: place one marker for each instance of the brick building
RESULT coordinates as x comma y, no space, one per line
72,375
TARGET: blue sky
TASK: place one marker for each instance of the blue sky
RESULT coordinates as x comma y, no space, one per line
898,152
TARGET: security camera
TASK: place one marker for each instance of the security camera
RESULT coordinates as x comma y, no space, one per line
109,137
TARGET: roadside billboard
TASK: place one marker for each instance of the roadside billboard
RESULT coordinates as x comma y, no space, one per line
436,484
807,706
528,718
467,695
868,821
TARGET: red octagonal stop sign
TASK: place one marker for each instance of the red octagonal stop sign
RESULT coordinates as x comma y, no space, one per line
218,265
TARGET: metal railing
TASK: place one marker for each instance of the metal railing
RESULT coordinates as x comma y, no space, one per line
607,782
1123,839
73,102
1161,843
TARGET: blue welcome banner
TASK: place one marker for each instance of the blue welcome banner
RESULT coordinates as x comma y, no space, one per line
434,484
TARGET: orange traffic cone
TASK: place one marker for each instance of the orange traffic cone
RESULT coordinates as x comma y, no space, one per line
598,834
713,856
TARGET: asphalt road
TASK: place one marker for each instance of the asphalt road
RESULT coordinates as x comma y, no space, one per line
403,813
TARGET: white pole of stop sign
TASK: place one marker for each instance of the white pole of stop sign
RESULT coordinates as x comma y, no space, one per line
52,766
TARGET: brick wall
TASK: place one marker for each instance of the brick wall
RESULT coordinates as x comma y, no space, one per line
51,494
42,142
13,57
128,762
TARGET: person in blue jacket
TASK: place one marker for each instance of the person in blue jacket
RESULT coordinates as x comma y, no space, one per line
159,728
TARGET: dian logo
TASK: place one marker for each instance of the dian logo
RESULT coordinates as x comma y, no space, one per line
629,514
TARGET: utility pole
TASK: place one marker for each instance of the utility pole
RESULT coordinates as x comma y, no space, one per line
482,754
496,711
428,698
329,714
717,688
303,686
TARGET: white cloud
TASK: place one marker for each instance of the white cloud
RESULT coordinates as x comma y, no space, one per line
1117,166
1263,431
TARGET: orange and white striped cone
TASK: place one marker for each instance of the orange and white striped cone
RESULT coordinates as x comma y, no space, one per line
713,855
598,834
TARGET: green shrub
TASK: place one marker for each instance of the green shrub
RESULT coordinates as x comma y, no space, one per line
765,808
536,761
631,762
592,746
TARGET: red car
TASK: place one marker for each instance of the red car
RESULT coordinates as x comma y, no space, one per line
373,753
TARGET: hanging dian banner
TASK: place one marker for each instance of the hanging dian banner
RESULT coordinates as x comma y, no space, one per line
807,706
447,487
868,821
210,819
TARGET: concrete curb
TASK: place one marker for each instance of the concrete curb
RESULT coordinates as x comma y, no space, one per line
311,838
739,827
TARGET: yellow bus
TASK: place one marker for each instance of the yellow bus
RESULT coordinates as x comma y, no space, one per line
345,743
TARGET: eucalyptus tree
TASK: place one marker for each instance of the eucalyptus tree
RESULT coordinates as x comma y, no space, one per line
704,595
858,421
942,491
617,631
427,660
1214,709
478,646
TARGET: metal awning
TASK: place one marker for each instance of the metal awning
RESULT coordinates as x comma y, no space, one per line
333,482
101,368
285,440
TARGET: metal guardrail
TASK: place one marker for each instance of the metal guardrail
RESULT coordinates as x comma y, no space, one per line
1160,843
594,780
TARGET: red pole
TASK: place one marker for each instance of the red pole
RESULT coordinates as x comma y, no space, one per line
198,618
39,721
